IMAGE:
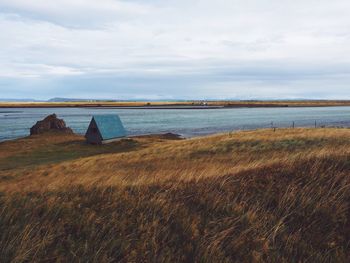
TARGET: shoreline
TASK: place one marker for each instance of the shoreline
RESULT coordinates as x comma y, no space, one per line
178,105
172,135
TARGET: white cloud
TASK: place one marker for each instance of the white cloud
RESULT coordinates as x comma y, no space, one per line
79,13
37,70
290,45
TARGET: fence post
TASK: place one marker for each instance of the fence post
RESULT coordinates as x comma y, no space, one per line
315,124
293,125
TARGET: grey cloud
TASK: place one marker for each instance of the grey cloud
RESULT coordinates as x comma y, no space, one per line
224,48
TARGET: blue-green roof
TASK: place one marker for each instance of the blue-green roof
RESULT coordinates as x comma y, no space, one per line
110,126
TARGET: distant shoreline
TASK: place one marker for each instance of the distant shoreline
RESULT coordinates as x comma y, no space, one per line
178,105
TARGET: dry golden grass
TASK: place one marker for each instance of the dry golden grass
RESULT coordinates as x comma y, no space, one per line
253,196
300,103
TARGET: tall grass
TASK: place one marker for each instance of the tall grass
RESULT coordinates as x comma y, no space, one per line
246,197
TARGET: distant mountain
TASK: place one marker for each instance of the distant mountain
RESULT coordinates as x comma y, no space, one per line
74,100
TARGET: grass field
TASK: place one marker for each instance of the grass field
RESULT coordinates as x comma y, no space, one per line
253,196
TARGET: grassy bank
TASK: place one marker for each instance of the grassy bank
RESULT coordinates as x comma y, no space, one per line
234,104
255,196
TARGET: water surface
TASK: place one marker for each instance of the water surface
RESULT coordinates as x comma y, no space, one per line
16,122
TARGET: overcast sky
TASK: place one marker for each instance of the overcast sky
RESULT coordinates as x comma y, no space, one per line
175,49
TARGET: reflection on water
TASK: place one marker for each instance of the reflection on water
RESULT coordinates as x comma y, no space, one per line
15,123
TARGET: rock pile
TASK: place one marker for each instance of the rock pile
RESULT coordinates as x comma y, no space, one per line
50,123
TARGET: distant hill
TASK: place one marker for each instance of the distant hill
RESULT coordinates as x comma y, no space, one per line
73,100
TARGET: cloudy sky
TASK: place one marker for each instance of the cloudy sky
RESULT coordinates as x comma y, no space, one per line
175,49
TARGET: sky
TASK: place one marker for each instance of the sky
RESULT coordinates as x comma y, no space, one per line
175,49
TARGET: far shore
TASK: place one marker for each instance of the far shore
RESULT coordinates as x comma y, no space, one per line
179,105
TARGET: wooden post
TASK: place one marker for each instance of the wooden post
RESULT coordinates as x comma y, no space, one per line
293,125
315,124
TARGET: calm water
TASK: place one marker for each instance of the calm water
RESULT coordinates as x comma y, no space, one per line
15,123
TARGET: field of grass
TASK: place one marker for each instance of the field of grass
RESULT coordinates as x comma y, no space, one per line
253,196
289,103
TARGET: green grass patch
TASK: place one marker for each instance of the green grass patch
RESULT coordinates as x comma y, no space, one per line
56,153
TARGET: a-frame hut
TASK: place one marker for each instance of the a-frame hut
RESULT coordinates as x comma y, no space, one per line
104,129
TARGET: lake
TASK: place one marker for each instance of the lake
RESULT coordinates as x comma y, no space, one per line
15,123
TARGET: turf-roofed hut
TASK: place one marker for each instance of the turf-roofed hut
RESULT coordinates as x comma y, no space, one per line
105,129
